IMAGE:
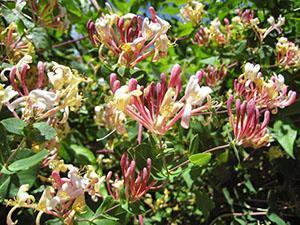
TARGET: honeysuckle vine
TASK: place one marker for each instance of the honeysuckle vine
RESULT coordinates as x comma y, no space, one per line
103,91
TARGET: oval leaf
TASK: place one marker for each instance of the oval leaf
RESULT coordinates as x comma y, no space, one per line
46,130
27,163
14,125
200,159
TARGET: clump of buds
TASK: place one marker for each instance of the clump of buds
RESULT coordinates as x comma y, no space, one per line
244,16
134,187
193,12
157,107
247,129
130,37
288,54
15,47
110,117
202,36
271,94
212,76
50,15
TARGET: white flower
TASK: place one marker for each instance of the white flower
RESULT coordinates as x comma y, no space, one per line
23,196
271,20
43,100
40,99
251,71
194,95
27,59
280,21
149,29
6,94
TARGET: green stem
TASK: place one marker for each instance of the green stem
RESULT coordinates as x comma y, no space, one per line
14,152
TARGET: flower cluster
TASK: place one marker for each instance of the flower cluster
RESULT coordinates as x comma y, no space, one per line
134,186
216,33
157,107
288,54
50,14
130,37
40,96
193,12
271,94
220,34
14,46
66,195
247,128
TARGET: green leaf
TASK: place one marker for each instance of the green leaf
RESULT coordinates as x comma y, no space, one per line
105,222
46,130
200,159
40,38
194,144
107,203
73,7
83,155
286,136
14,125
4,186
276,219
29,162
227,196
4,146
204,203
241,47
210,61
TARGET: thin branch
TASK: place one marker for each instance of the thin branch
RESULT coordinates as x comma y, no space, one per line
69,42
207,151
238,214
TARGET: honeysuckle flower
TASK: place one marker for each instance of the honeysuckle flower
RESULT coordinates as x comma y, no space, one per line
247,129
37,101
65,83
288,54
135,187
130,37
193,12
194,96
110,117
6,94
161,47
216,34
44,98
274,26
157,107
251,73
94,182
23,63
65,197
15,46
23,199
271,94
